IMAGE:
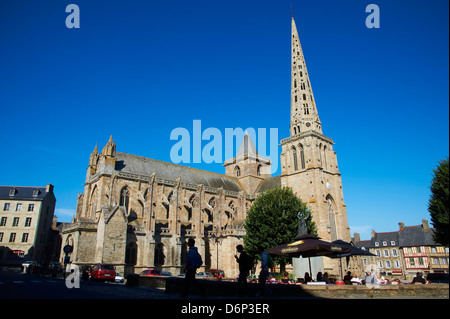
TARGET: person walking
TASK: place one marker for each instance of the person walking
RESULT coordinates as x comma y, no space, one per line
245,264
193,262
266,263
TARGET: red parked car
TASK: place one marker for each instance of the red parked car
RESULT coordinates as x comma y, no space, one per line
217,273
103,272
151,272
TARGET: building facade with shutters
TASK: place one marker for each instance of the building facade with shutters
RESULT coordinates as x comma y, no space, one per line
405,252
26,217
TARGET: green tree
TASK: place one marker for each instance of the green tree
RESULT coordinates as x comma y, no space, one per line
438,202
272,220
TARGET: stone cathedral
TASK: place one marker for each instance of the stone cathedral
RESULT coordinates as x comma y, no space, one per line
137,213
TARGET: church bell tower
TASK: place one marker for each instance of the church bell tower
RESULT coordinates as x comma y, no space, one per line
308,162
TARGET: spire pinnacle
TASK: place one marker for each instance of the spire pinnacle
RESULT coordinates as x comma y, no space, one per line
304,115
247,146
110,147
247,152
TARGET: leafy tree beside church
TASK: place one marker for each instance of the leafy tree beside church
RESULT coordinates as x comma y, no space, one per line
273,220
438,202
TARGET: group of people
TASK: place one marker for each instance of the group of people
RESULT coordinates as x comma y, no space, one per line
246,263
348,279
375,278
322,277
379,279
194,261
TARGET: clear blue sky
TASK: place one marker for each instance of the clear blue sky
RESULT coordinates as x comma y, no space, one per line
138,69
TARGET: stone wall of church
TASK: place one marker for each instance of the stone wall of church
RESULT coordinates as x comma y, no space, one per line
314,177
115,237
156,217
86,240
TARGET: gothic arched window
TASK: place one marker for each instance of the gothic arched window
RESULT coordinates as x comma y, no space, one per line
212,202
69,240
124,198
93,202
294,154
332,218
302,156
140,209
192,200
237,171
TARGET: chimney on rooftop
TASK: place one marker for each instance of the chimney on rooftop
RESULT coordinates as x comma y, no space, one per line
401,226
425,225
49,188
356,238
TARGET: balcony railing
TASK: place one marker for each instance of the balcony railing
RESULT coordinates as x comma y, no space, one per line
227,232
166,232
136,229
189,233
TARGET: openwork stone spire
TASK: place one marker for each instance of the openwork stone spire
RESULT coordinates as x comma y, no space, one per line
304,115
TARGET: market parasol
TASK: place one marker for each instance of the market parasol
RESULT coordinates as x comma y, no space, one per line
309,246
355,251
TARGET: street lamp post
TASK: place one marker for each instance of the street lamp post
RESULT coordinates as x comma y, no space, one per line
217,237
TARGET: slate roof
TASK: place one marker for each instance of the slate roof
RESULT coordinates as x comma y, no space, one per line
269,183
391,239
134,164
410,236
22,192
415,236
363,244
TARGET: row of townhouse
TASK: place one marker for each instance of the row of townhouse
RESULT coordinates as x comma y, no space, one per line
405,252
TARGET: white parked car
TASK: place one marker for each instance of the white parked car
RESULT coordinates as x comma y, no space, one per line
119,278
204,275
26,265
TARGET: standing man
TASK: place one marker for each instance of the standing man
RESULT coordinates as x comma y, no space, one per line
245,264
193,262
264,274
